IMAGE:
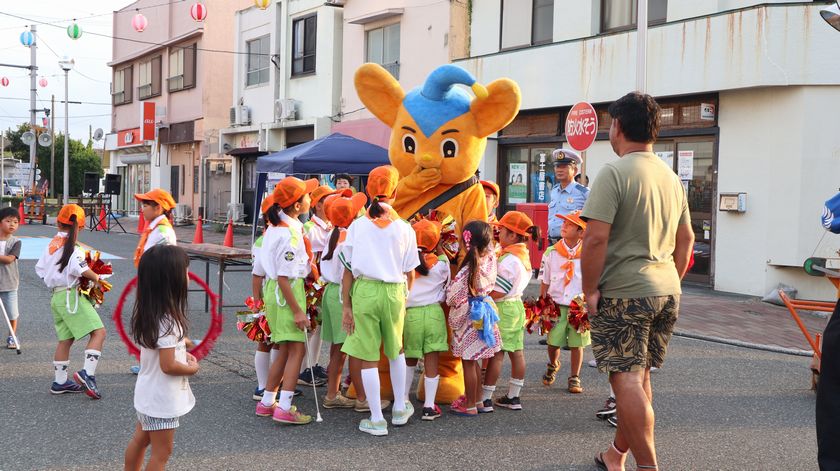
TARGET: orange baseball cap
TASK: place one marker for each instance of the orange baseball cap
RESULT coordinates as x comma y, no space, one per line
382,181
427,233
574,218
342,211
515,221
159,196
321,192
291,189
71,210
492,186
267,202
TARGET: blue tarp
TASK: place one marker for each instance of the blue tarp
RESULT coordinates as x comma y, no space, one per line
336,153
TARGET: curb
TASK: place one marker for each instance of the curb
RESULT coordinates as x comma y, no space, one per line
739,343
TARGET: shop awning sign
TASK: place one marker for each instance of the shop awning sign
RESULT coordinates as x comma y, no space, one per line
581,126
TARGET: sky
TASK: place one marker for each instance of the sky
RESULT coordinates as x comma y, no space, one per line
89,81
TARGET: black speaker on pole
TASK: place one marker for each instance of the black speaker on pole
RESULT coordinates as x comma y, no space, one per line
113,183
91,183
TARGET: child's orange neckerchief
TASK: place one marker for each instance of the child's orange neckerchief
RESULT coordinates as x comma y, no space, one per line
570,254
138,252
520,251
386,219
57,242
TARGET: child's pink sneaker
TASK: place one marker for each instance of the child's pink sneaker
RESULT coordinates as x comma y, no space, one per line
291,416
264,410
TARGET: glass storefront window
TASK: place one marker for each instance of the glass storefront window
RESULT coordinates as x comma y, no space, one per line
526,175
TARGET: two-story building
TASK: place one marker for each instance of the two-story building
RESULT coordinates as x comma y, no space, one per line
183,67
747,91
286,87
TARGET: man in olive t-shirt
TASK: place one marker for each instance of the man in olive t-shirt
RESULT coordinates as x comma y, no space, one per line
635,252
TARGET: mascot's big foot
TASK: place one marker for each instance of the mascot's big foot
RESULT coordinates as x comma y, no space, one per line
451,384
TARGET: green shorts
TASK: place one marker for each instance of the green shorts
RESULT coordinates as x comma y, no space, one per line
512,324
331,315
564,335
378,313
73,326
425,331
279,316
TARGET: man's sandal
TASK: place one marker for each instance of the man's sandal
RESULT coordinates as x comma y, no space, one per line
599,460
551,373
574,385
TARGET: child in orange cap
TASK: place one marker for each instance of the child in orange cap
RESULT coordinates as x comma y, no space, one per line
560,277
513,274
318,230
379,256
287,262
157,205
425,334
341,209
60,266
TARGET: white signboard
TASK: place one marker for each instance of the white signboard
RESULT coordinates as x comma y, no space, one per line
685,164
707,112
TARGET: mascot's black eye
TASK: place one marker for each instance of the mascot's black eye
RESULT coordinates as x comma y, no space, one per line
449,148
409,144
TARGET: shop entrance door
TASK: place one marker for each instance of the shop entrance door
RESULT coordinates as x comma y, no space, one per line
694,160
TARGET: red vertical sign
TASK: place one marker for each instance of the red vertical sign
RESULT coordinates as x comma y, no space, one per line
147,127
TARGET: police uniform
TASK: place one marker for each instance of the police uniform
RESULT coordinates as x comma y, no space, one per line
566,199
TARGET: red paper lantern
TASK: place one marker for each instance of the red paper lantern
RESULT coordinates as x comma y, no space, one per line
198,12
4,81
43,82
139,22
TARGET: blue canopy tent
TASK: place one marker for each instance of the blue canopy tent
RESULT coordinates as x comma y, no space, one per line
336,153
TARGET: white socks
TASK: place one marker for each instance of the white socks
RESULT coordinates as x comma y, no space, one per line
612,393
370,380
285,401
61,368
515,387
431,390
275,352
261,366
91,360
409,378
269,397
398,368
487,392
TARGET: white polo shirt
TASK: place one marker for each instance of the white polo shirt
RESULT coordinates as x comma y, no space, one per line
284,252
160,234
553,275
511,277
430,289
384,254
257,269
47,267
332,270
318,232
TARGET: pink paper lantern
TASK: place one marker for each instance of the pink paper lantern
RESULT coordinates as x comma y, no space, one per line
4,81
139,22
43,82
198,12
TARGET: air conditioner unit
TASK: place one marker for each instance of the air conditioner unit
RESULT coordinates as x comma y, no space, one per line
284,109
183,212
240,115
233,121
236,211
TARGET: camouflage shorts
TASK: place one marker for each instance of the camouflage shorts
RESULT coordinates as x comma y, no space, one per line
633,334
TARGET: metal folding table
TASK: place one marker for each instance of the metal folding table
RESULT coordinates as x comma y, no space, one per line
229,259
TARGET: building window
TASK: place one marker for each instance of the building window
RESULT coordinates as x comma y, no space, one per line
149,77
121,93
542,24
383,47
182,65
258,61
618,15
303,45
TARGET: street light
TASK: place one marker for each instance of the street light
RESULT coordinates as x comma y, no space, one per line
832,15
66,65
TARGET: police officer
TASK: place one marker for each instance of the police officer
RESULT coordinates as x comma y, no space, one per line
566,194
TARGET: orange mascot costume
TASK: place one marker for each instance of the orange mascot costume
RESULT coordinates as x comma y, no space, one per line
438,136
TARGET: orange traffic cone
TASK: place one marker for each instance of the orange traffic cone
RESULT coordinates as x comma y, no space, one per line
141,224
198,238
229,234
101,226
21,214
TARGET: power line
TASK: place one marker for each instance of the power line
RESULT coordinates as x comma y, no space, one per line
48,101
98,15
62,117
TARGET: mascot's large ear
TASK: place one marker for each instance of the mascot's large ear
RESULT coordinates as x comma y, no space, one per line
498,109
379,92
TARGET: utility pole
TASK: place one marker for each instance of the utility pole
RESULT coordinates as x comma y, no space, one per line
52,149
641,45
33,72
3,163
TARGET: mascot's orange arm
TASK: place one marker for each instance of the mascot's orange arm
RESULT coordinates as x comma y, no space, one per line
468,206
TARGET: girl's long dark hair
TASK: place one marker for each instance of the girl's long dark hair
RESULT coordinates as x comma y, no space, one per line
70,243
534,233
161,294
334,235
274,211
481,234
375,208
422,269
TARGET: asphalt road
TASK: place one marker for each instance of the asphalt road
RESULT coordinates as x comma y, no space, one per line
718,407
